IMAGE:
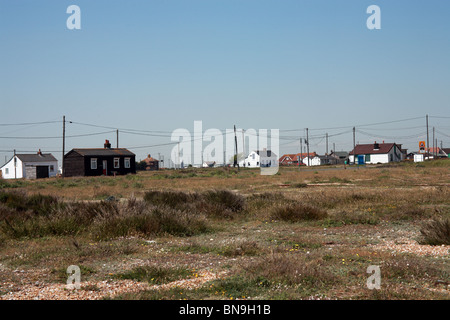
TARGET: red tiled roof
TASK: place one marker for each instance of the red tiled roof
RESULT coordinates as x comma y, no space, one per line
293,156
149,159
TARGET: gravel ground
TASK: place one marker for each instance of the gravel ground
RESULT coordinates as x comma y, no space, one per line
404,245
94,290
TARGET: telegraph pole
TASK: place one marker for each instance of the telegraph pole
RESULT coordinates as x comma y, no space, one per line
307,145
243,145
178,157
354,146
428,141
326,153
15,162
235,163
434,151
437,151
301,152
117,138
63,146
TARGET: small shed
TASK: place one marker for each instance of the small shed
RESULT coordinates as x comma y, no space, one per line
30,166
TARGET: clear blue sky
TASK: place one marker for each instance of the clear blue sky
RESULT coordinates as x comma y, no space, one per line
159,65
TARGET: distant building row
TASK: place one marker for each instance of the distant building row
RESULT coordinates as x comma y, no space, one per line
77,162
373,153
109,161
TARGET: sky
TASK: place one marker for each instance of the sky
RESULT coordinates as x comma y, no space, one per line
150,67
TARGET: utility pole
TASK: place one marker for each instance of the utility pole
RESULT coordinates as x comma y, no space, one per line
243,145
63,146
117,138
428,141
178,156
326,153
307,145
301,152
434,150
235,162
437,151
354,146
15,164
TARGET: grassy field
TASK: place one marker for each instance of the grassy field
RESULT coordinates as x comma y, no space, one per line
223,233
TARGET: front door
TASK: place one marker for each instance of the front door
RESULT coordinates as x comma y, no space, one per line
360,159
105,167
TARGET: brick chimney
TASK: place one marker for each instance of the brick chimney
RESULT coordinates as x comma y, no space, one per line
376,146
107,145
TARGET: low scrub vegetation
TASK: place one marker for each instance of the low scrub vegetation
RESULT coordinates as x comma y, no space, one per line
99,220
296,212
436,232
306,233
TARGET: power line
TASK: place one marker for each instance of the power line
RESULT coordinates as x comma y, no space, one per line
361,125
59,137
26,123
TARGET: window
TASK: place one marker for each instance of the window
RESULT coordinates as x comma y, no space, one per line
6,170
116,163
127,163
367,158
52,168
93,163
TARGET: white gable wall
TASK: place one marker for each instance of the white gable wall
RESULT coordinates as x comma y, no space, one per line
9,167
20,170
252,161
312,161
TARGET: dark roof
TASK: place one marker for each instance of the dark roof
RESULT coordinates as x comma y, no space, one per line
370,148
266,153
446,150
43,157
340,153
104,152
326,157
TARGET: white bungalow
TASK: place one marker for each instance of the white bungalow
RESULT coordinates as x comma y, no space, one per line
376,153
313,161
260,159
30,166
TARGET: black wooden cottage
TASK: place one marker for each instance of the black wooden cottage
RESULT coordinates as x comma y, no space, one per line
105,161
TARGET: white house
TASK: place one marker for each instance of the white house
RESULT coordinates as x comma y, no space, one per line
30,166
375,153
313,161
418,157
209,164
260,159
